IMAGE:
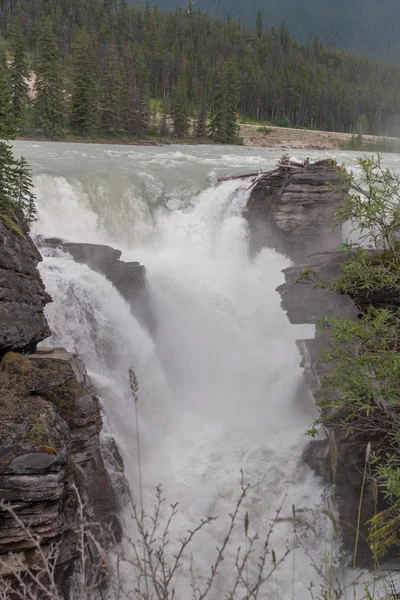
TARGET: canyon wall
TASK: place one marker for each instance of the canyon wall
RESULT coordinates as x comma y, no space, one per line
292,210
50,426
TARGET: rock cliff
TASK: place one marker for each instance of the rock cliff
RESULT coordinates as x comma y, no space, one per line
50,424
22,293
291,209
301,302
129,278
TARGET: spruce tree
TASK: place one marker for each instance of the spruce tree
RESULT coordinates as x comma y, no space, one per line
180,109
7,119
164,128
23,194
19,74
259,25
111,93
201,125
223,124
49,101
131,98
84,110
7,132
144,112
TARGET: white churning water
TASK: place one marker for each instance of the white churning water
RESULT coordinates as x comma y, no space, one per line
220,386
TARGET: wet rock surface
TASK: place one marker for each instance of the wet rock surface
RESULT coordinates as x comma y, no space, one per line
22,293
129,278
291,209
303,302
49,442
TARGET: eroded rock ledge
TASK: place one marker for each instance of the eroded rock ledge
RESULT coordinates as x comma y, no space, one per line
291,209
49,442
129,278
22,293
302,302
50,424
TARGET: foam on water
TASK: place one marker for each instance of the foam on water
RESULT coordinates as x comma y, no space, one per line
220,386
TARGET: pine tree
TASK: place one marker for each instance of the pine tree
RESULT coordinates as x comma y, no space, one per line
23,194
7,132
232,96
7,189
84,110
7,120
259,25
223,125
330,124
201,126
111,93
49,101
19,74
180,109
164,128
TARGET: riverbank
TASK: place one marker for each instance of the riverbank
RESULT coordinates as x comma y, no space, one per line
258,136
309,139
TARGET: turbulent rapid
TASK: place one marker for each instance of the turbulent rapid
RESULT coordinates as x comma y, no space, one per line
220,390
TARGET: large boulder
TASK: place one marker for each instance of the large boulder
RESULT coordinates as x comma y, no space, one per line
292,208
22,293
49,442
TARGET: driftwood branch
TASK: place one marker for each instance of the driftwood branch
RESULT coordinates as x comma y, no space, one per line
284,163
238,176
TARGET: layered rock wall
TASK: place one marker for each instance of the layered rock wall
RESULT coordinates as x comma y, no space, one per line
291,209
50,425
129,278
22,293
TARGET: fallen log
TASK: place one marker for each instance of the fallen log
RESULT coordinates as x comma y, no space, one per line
239,176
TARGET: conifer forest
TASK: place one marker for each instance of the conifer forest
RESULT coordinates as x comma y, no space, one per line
87,68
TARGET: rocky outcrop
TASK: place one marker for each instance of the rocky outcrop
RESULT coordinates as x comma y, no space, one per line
291,209
301,302
129,278
49,442
22,293
50,424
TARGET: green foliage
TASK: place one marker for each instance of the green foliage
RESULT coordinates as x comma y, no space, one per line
49,101
375,209
84,104
366,358
17,201
361,391
223,124
110,102
18,74
330,124
24,196
119,56
284,122
266,130
180,108
362,125
7,120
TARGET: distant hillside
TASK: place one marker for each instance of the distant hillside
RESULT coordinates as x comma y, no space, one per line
371,26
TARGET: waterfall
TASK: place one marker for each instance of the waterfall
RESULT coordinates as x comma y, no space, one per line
220,387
